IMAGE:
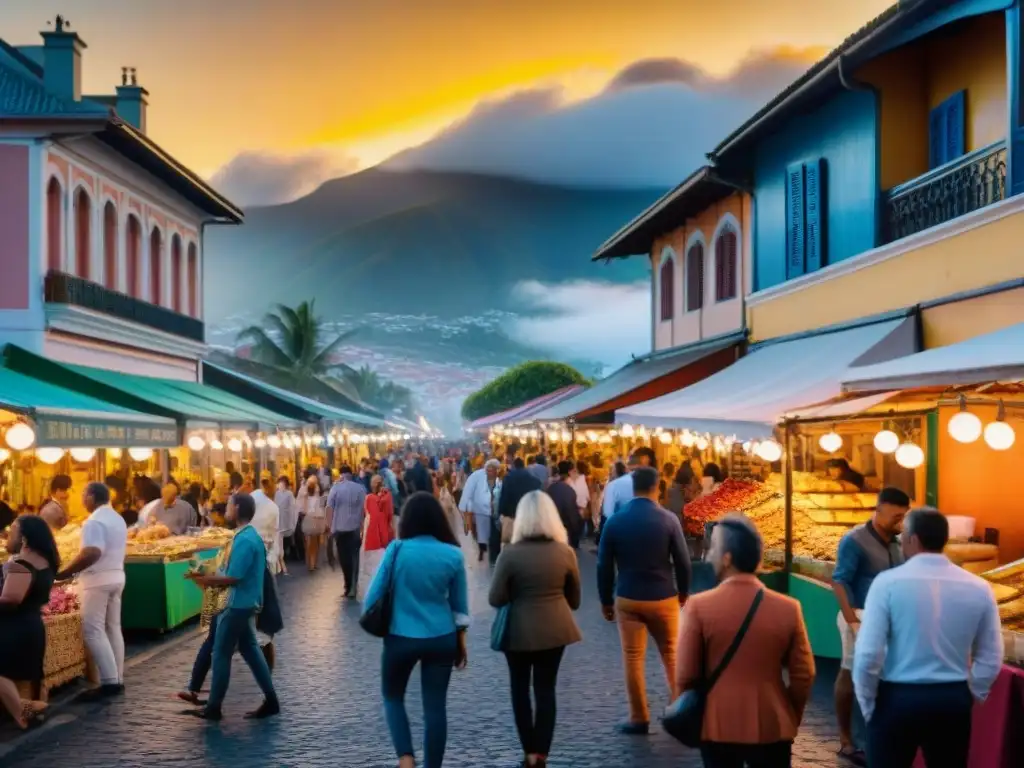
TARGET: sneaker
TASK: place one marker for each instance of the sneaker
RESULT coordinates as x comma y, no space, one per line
206,713
634,729
268,708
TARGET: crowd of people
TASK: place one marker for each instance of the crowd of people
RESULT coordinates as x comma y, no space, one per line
921,637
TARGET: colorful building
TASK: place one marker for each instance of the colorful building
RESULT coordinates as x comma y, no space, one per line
102,244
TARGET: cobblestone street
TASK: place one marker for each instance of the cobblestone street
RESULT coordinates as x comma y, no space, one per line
328,682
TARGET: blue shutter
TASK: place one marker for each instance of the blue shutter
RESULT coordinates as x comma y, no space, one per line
795,232
955,126
814,193
937,136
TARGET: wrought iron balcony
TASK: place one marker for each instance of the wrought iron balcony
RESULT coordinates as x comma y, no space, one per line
968,183
61,288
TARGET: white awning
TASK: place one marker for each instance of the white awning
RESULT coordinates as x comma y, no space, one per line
996,356
758,391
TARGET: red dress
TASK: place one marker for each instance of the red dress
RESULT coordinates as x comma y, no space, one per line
381,511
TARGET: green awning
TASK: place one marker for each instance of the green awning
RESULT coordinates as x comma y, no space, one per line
291,403
66,419
189,403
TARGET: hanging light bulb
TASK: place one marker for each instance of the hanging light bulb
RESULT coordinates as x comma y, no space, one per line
909,455
999,435
553,436
605,439
216,444
274,441
20,436
4,455
406,437
260,442
831,441
115,453
688,439
770,451
82,455
533,434
140,454
748,447
641,432
499,429
591,435
627,430
964,426
235,445
887,441
196,443
665,438
702,443
331,440
566,437
49,455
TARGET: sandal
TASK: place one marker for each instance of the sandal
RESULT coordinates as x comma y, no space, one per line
854,755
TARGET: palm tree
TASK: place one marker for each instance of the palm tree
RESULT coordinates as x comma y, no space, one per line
299,350
384,395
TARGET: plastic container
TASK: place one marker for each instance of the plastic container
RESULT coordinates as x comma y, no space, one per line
960,526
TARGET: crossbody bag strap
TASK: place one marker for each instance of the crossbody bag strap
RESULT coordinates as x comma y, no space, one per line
740,634
394,564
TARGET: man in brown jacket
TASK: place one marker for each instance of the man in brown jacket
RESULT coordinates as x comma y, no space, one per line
751,717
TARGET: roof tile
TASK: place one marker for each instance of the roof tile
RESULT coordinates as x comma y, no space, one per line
22,95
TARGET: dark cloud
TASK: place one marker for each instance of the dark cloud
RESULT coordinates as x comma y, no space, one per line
650,127
656,72
260,178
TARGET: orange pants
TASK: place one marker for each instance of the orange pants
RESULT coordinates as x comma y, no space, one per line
636,619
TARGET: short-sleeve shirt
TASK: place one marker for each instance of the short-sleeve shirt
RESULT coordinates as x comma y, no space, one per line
862,555
106,531
247,563
54,514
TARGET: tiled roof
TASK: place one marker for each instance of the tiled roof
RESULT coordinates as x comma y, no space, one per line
862,34
22,95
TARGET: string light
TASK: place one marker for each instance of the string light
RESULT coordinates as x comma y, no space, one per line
831,441
999,435
964,426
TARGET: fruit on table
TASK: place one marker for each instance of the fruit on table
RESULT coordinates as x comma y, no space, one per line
61,601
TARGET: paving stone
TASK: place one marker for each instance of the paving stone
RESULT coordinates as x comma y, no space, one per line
328,680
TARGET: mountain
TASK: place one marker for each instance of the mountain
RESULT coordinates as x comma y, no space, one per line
425,264
413,242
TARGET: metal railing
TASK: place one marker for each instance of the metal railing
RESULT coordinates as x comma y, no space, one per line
61,288
966,184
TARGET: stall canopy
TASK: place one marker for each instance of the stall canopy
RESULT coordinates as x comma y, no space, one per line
64,418
525,411
996,356
750,397
646,377
188,403
280,400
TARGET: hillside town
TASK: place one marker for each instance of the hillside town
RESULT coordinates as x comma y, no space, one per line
784,533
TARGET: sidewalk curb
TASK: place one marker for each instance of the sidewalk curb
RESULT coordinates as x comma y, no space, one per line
57,706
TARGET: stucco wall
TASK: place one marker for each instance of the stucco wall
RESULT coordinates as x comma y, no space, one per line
14,226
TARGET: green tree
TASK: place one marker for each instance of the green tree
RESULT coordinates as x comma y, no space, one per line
381,393
298,349
520,385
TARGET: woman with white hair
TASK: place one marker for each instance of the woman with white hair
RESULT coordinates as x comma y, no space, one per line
480,499
538,577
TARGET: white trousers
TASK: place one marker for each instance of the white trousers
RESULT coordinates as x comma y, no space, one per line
369,564
101,627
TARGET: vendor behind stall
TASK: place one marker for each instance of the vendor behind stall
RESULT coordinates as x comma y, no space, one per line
55,510
173,511
840,469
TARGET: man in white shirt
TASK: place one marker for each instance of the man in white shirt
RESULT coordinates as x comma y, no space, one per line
619,492
480,498
929,646
100,563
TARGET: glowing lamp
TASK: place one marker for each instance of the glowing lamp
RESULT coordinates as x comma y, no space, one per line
196,443
627,430
964,427
770,451
115,453
20,436
701,443
261,442
1000,436
274,441
909,456
49,455
830,442
140,454
83,455
665,438
887,441
4,455
216,444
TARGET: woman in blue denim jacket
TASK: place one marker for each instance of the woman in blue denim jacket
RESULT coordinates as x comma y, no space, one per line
429,618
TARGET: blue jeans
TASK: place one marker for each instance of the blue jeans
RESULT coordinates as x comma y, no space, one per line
435,655
236,630
204,659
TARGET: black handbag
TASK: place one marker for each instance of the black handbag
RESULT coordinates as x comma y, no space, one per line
684,718
377,618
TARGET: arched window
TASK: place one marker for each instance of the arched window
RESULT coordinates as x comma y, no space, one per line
83,233
667,276
695,277
725,264
176,273
110,246
156,260
134,260
54,230
193,280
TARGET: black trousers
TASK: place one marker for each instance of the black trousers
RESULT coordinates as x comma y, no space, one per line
348,558
934,717
494,541
777,755
535,732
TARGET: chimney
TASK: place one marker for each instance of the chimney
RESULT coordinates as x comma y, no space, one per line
131,100
62,60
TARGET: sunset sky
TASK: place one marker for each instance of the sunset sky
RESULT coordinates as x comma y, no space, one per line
363,80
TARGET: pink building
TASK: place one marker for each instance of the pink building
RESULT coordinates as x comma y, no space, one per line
101,231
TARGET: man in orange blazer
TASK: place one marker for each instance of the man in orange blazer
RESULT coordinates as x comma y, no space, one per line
752,716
